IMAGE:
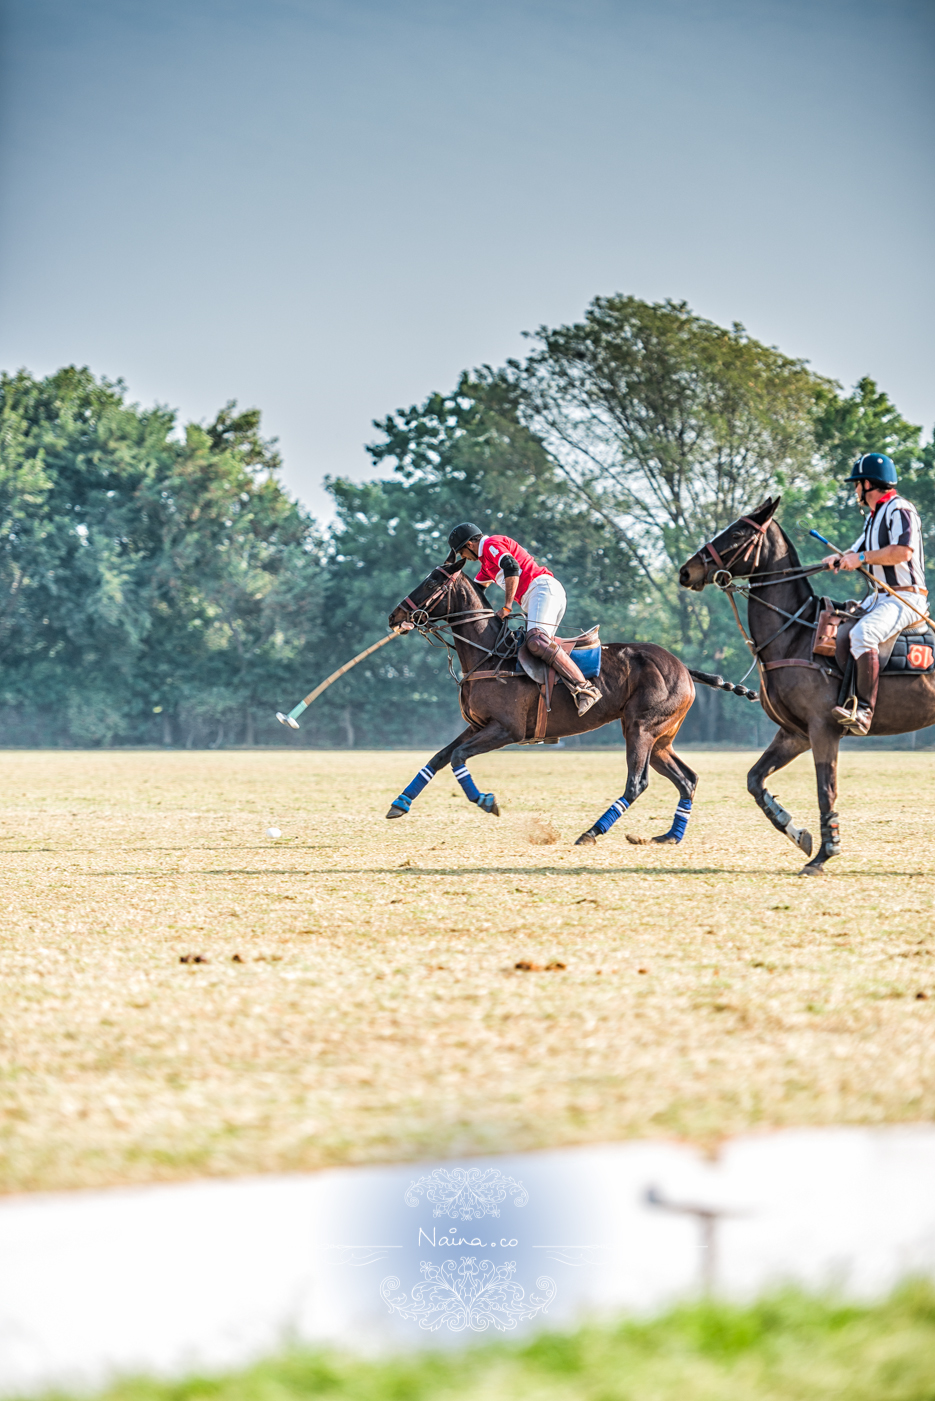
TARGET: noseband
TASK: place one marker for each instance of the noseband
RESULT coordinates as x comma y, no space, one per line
419,612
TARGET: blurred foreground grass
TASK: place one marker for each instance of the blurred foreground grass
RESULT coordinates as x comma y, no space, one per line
789,1347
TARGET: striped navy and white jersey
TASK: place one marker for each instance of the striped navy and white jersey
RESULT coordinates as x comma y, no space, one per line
895,522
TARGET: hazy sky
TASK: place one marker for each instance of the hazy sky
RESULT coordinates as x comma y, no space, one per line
328,209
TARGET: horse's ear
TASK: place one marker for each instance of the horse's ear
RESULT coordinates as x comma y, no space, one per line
455,568
766,510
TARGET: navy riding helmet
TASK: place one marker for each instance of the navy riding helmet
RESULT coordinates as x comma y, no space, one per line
874,467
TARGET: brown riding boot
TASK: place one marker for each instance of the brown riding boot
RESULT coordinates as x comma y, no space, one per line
585,692
866,685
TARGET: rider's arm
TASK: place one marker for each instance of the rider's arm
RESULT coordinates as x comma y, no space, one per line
511,573
890,554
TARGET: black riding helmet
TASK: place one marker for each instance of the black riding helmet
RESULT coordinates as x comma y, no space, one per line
460,536
462,533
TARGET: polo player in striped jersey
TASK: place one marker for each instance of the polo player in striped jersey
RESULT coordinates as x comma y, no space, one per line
890,547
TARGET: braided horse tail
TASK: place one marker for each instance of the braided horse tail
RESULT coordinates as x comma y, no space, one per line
710,678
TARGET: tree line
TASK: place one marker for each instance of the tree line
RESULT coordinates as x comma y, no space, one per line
158,584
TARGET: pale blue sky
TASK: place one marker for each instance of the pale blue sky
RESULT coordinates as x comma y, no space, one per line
328,209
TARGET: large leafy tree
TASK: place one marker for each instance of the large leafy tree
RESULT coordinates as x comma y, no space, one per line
669,426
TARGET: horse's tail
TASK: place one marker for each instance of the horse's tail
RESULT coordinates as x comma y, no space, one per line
710,678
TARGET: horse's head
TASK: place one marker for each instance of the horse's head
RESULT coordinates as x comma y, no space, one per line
427,600
734,553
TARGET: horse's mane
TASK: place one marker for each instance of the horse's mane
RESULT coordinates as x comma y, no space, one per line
793,554
459,578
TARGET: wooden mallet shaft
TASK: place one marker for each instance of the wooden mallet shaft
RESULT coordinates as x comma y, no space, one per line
292,719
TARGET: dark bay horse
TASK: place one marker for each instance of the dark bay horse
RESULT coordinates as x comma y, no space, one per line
643,686
797,691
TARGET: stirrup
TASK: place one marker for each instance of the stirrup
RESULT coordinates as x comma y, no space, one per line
589,694
846,714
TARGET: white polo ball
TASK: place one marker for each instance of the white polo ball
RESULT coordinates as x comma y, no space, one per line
273,832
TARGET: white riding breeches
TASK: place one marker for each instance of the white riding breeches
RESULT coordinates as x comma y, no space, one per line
884,616
544,604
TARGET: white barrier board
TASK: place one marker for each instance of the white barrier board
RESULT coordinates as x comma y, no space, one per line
173,1279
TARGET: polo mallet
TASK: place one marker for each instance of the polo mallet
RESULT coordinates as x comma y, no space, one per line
877,583
292,719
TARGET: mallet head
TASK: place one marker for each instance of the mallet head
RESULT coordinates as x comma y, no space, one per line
287,720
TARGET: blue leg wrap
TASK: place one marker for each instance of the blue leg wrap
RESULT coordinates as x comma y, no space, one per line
411,791
680,821
604,824
485,801
471,790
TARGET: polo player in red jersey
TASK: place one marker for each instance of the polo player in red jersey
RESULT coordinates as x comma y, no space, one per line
536,590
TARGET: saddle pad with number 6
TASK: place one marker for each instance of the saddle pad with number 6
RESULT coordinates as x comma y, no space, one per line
913,653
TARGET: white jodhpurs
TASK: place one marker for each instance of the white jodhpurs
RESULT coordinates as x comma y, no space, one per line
884,616
544,604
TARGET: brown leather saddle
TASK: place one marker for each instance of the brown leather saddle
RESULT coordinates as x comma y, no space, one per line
545,677
536,670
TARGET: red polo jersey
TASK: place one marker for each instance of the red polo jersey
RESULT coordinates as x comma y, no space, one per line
491,548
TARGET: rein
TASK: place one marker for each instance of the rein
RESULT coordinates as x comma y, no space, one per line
432,626
722,578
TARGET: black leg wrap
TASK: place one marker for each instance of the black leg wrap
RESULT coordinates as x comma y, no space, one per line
831,835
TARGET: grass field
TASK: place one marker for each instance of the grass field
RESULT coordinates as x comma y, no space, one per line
355,996
787,1348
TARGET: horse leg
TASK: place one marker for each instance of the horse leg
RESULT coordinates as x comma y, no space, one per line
686,781
639,750
785,747
825,743
401,805
492,736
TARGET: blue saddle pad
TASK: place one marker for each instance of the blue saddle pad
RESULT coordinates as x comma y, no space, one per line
588,659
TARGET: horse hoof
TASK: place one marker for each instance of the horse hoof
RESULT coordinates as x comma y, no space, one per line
488,803
805,842
586,839
396,812
813,869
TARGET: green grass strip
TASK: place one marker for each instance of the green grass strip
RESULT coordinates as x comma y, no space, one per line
787,1347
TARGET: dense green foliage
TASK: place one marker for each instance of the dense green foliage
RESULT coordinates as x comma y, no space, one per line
789,1347
161,587
150,588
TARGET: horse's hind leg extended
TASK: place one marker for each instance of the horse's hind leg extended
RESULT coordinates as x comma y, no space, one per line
785,747
686,781
401,805
639,750
492,736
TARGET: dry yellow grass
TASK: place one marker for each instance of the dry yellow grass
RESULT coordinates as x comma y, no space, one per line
360,999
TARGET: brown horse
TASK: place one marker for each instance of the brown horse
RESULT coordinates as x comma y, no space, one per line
643,686
797,691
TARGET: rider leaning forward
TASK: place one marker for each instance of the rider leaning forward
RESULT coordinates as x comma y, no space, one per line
539,594
890,548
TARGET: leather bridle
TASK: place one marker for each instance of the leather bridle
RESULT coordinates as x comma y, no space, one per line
741,553
430,625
